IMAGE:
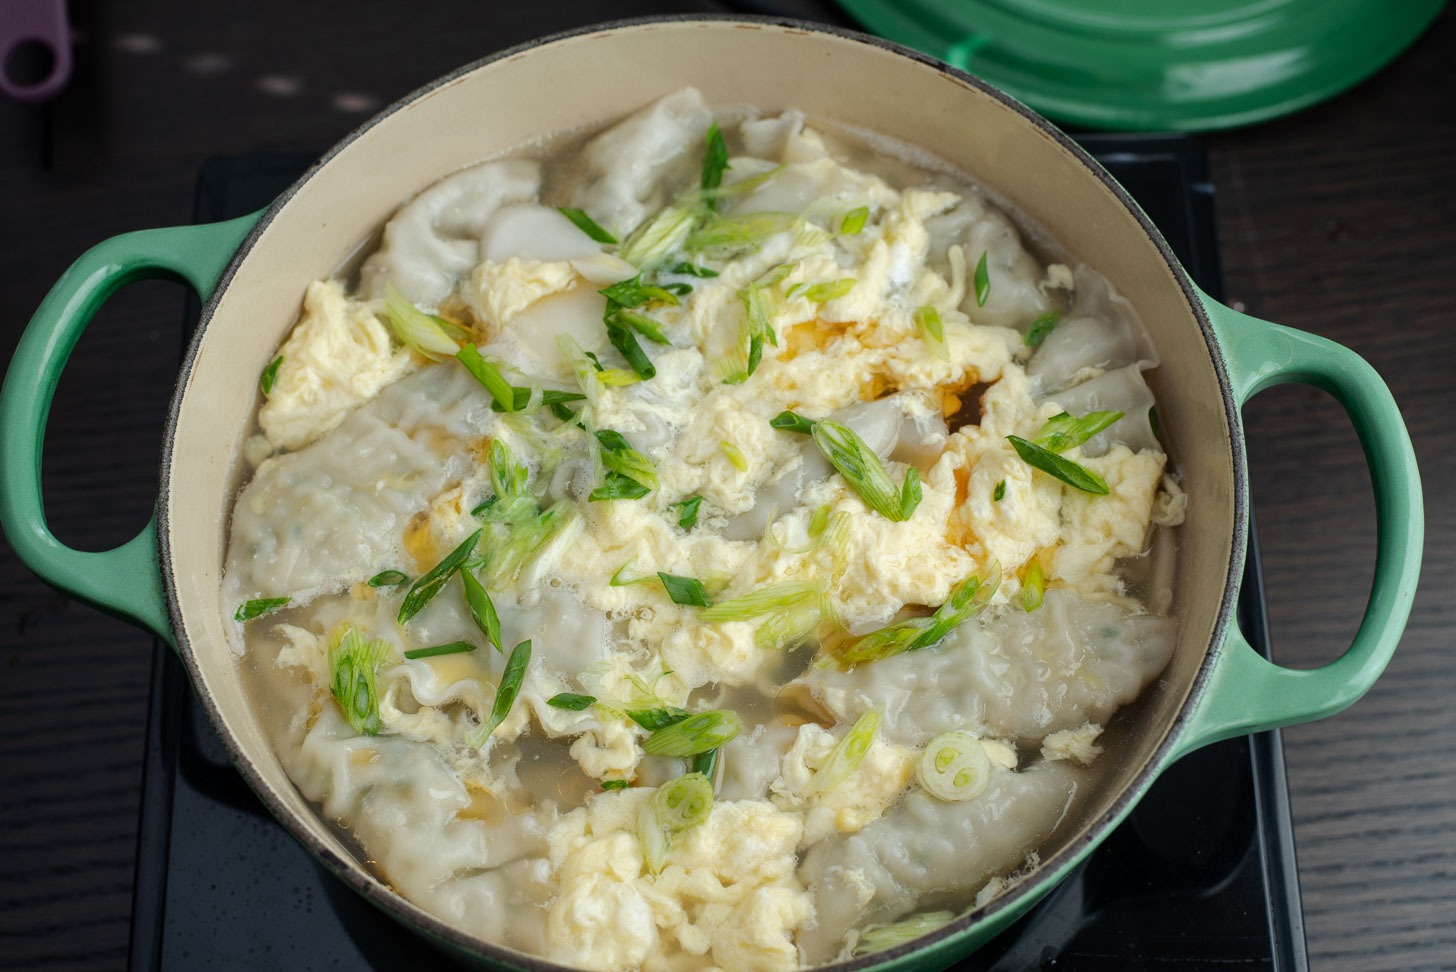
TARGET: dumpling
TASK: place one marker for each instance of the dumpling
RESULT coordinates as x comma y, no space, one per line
926,847
434,239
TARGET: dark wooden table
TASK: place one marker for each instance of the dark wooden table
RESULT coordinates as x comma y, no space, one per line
1340,220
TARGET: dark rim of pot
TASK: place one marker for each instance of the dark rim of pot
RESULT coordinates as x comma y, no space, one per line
1013,900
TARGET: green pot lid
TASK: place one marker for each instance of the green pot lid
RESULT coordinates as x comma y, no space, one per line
1157,64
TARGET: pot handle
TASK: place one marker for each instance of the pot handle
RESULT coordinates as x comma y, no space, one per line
1247,693
126,581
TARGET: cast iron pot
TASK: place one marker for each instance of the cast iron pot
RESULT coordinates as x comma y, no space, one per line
252,271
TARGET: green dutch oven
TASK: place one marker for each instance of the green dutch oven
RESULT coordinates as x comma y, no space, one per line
252,271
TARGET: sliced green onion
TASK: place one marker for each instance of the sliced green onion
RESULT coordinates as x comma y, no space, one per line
983,281
728,234
425,589
688,518
353,662
424,333
791,624
505,694
954,767
695,734
615,486
824,292
715,161
513,502
928,319
1054,465
775,275
707,763
864,472
653,839
618,456
269,377
572,701
735,455
505,553
910,493
482,609
620,580
635,293
691,270
999,493
684,802
788,421
622,338
854,221
258,607
553,397
660,237
819,520
489,376
688,591
658,718
449,648
618,377
1063,431
1032,586
967,599
1039,329
389,578
766,600
616,784
588,225
642,324
878,938
848,752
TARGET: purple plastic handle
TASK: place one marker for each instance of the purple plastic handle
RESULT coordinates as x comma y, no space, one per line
41,22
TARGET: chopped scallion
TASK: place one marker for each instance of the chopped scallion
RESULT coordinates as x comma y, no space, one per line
1064,431
824,292
1039,329
659,718
572,701
482,609
983,281
695,734
490,377
258,607
684,802
878,938
691,270
353,663
269,377
616,784
1054,465
389,578
1032,586
967,599
588,225
735,455
688,591
999,493
423,333
688,518
505,693
848,752
788,421
954,767
854,221
425,589
450,648
715,161
862,469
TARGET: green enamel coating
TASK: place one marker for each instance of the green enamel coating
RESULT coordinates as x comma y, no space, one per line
1245,692
126,581
1152,65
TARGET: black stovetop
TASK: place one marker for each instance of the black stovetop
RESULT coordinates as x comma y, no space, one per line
1200,876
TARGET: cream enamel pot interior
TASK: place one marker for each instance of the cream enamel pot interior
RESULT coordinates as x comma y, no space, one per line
255,269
